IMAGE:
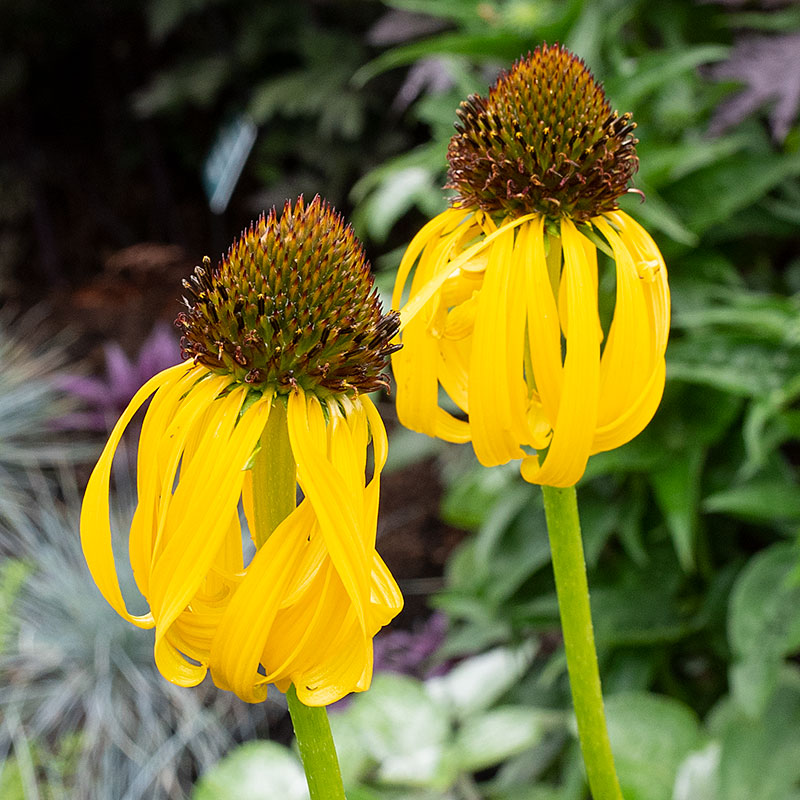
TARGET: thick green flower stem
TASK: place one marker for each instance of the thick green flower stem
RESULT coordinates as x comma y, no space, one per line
563,525
317,750
274,498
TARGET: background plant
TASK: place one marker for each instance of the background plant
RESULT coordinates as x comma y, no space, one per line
691,529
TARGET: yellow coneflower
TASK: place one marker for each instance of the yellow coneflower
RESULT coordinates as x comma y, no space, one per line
284,339
502,312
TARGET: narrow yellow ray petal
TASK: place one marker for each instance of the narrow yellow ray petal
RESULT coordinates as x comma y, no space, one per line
344,665
489,401
297,633
650,264
174,666
627,358
453,370
95,523
461,319
636,416
247,621
153,440
414,370
322,486
248,503
386,599
544,330
577,414
429,232
420,298
515,318
197,534
147,527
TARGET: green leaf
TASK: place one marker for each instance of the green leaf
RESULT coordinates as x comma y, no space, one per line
254,771
498,44
470,500
698,775
677,491
759,756
13,573
768,498
656,69
641,606
404,731
733,363
474,684
650,737
400,191
763,623
714,194
487,739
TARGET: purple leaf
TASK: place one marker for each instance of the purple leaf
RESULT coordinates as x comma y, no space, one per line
769,68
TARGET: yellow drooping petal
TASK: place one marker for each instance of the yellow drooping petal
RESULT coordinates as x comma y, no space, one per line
208,492
576,421
627,358
446,267
165,431
295,616
633,362
246,624
453,370
544,328
95,513
492,388
418,400
327,492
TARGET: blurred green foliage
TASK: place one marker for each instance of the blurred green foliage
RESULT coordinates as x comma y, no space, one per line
691,530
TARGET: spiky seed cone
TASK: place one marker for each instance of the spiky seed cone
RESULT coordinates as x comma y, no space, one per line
291,304
545,140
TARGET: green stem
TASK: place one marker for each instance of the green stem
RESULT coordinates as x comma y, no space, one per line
563,525
274,478
317,751
274,498
553,257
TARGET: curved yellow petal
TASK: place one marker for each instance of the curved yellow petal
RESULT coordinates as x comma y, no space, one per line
544,329
199,515
636,417
639,378
324,488
627,358
246,624
490,372
453,369
95,513
161,446
173,665
575,424
447,268
429,232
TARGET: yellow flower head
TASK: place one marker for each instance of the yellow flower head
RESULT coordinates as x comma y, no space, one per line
502,312
283,338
